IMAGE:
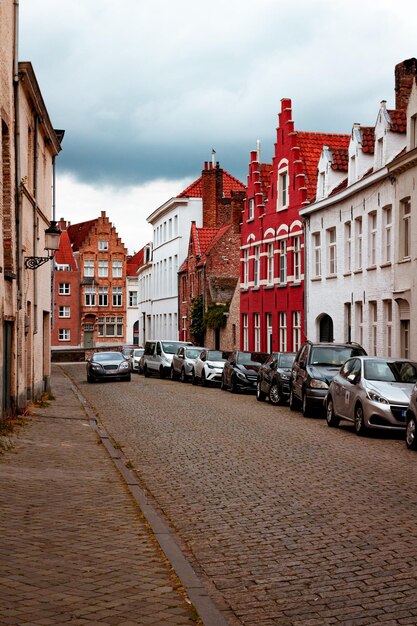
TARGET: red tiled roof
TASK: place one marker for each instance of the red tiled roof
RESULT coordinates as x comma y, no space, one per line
311,145
135,262
78,232
398,120
203,236
368,139
340,159
230,183
340,187
64,255
184,266
217,236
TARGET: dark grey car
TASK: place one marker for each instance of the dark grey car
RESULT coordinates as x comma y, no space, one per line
274,378
411,424
108,366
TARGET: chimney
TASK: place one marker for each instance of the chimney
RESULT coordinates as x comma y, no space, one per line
212,193
405,74
238,198
62,224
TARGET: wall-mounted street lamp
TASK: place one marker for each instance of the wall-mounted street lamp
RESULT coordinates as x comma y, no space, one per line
52,235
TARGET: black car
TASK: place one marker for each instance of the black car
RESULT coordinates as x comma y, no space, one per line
315,366
274,378
108,366
240,371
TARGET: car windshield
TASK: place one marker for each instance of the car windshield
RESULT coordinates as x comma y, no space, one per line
333,356
217,355
108,356
127,351
286,360
251,358
391,371
192,353
138,352
171,347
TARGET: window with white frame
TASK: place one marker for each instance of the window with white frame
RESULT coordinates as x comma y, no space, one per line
117,296
90,295
348,321
316,255
110,326
373,318
405,229
380,152
297,258
103,269
413,132
282,262
256,265
133,298
245,331
117,269
64,311
296,330
103,296
359,322
257,332
388,327
387,235
103,245
245,267
332,252
270,263
64,289
348,246
282,326
405,338
62,267
251,209
282,192
64,334
358,243
372,227
88,268
269,332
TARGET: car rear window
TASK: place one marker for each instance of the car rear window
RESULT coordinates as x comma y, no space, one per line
393,372
252,358
332,355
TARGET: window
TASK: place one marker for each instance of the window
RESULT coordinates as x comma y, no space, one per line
88,267
359,322
133,298
348,247
184,287
352,168
348,322
64,334
256,266
257,332
332,252
117,296
103,245
405,240
64,311
282,322
110,326
372,238
103,269
373,318
282,189
296,330
269,332
251,211
387,235
245,267
62,267
388,327
413,132
103,296
282,262
245,331
358,242
297,259
316,255
270,264
117,269
380,152
64,289
90,296
405,338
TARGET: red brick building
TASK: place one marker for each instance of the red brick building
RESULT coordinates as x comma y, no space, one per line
210,274
272,240
100,257
66,314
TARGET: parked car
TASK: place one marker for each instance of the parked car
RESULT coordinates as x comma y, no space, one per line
107,366
411,417
157,356
127,352
274,378
183,362
208,367
137,354
313,369
240,371
371,392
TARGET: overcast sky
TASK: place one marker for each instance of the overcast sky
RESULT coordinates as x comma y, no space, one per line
145,90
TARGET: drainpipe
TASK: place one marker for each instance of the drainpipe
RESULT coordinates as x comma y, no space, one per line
35,226
53,262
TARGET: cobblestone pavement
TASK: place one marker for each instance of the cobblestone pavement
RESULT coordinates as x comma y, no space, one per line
74,547
289,521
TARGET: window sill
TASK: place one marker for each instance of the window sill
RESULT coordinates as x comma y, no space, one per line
371,268
282,285
255,288
250,220
316,279
386,264
406,259
268,287
358,271
244,289
331,276
347,274
297,283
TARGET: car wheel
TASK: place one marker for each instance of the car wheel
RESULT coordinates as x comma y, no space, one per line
172,374
306,406
222,384
183,376
293,401
203,379
275,395
194,380
260,395
410,433
359,421
233,386
128,378
146,371
331,419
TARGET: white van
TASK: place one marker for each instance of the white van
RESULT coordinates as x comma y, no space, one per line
157,357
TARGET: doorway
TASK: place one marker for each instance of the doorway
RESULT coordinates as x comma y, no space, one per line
326,329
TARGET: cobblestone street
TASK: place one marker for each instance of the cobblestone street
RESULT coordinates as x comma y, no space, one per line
286,520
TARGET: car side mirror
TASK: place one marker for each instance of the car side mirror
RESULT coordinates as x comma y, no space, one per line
352,378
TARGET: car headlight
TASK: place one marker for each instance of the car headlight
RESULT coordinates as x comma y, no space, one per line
241,376
316,383
124,366
96,366
285,377
211,367
376,398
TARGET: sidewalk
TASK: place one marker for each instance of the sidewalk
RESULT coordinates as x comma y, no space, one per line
74,545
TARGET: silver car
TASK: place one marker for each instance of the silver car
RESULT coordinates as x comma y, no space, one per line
371,392
411,430
137,354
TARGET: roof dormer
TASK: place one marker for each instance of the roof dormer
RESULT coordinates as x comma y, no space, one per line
361,149
332,169
390,131
412,119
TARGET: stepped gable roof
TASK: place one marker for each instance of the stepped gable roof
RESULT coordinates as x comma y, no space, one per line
64,255
230,183
340,159
311,146
368,139
78,233
398,120
135,262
